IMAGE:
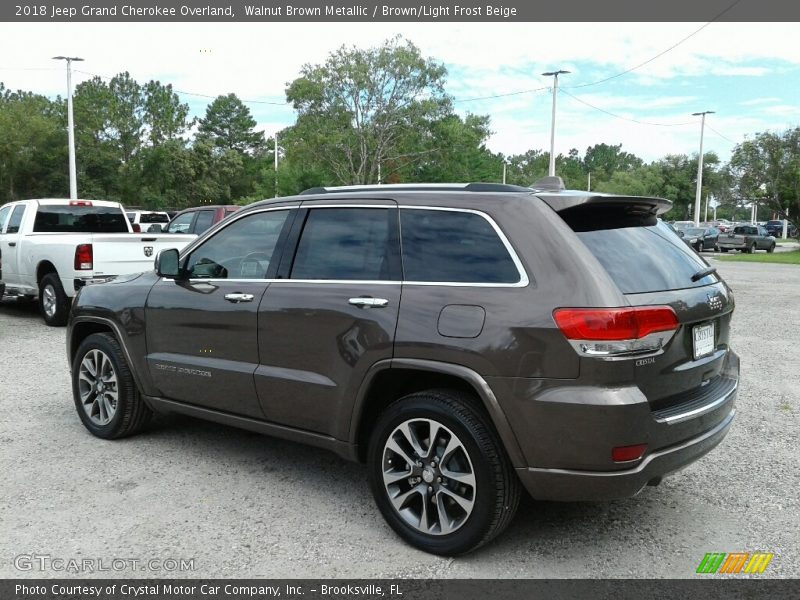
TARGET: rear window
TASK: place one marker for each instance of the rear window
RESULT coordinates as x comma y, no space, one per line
746,230
79,219
453,247
645,258
154,218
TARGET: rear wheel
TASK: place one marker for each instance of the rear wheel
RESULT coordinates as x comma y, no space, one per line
53,302
439,473
106,398
723,249
752,248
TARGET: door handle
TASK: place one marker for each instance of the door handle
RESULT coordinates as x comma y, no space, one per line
369,302
12,244
237,297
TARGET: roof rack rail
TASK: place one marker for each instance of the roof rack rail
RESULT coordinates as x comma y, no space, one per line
551,183
419,187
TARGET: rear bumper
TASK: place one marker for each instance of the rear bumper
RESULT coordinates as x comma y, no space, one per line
574,485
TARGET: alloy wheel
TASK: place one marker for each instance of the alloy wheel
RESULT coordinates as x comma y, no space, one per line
428,476
50,300
97,385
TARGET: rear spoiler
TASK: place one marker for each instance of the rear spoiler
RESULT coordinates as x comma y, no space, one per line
584,211
629,204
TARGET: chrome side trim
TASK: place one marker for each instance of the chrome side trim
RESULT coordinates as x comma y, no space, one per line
701,410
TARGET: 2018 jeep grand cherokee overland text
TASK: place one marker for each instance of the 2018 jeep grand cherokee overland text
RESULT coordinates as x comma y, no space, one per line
464,341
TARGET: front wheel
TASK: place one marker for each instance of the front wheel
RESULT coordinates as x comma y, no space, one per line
53,302
771,249
106,398
439,473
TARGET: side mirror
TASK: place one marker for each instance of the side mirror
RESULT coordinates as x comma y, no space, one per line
168,264
680,233
155,228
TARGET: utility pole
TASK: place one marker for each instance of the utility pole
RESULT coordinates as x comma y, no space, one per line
504,171
73,176
554,75
589,183
699,192
276,164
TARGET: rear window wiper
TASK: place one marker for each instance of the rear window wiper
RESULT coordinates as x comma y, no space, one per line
704,273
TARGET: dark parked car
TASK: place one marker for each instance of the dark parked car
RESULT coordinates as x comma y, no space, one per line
700,238
198,219
775,229
436,334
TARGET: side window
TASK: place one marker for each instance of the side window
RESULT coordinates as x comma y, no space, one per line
242,250
345,244
204,220
453,246
4,212
16,219
181,223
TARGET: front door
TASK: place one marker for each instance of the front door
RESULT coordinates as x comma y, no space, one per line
202,328
331,316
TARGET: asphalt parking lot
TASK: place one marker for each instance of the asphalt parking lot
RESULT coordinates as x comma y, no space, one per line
244,505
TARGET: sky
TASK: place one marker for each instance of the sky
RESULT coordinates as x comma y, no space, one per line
748,73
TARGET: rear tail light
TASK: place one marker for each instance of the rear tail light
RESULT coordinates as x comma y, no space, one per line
617,331
84,257
628,453
136,228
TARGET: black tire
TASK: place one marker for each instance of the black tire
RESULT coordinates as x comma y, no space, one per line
723,249
771,249
699,247
496,491
752,249
57,316
131,414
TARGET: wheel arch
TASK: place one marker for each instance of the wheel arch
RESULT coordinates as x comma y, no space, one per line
391,379
44,267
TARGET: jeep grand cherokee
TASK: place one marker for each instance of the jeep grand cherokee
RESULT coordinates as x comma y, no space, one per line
465,341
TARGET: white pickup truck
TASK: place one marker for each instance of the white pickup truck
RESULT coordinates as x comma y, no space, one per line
51,248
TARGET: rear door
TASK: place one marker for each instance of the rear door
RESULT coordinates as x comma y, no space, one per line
202,330
331,314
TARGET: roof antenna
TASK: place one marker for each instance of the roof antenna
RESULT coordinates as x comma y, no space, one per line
551,183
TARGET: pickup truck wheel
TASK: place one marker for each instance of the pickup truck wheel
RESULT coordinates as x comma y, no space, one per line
723,249
53,302
439,473
771,249
106,398
752,249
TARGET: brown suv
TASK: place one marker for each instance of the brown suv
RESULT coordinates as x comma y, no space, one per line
465,341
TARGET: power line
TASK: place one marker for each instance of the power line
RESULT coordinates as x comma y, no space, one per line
185,93
660,54
620,74
455,101
625,118
720,135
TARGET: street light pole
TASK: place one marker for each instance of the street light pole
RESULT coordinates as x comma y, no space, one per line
699,191
504,171
73,176
554,75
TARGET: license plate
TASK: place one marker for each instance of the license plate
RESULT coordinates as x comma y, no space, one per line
703,339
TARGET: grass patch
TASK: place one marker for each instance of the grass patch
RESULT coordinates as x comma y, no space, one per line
785,258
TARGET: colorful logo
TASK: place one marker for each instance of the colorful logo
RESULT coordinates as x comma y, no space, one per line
734,562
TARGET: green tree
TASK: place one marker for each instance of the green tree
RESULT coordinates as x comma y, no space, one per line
767,168
165,116
33,146
228,125
357,110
